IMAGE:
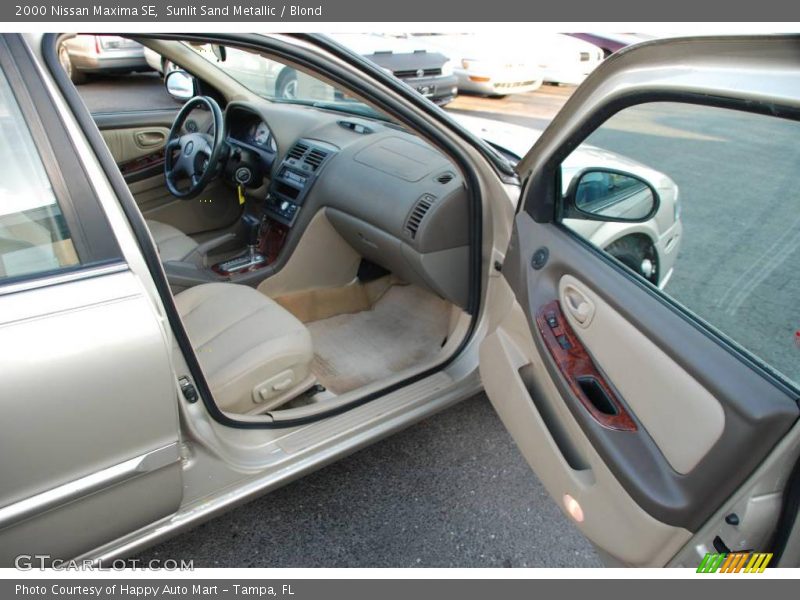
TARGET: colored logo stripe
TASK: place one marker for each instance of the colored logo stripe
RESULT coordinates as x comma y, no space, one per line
734,562
758,563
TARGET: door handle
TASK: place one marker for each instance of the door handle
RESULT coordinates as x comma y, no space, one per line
578,305
148,139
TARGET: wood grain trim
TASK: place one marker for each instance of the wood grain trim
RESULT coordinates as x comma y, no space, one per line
575,364
133,167
273,238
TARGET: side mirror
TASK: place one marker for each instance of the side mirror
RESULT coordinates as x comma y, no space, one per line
598,194
180,85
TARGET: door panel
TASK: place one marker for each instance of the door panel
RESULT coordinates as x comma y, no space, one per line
690,400
519,385
127,145
640,418
136,141
756,413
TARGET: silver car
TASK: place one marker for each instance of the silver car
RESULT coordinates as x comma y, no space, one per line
198,306
83,55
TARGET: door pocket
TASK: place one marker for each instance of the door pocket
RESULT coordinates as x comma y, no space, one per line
569,451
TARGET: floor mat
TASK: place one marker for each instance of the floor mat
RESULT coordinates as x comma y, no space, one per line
405,328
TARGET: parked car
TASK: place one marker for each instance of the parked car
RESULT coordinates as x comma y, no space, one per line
83,55
561,58
649,248
483,66
429,73
611,42
190,319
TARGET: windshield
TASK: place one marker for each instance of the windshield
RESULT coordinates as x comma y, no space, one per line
279,82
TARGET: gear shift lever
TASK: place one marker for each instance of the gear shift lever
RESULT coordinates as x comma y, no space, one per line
252,257
252,227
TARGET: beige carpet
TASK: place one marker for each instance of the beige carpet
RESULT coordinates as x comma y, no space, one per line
406,327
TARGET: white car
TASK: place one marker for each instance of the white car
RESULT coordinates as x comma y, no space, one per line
483,66
649,248
563,59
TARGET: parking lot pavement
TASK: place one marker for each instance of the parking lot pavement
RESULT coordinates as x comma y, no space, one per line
535,109
451,491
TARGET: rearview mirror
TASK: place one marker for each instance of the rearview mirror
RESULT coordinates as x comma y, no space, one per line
219,52
598,194
180,85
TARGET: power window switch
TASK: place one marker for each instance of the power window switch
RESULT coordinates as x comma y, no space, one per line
563,341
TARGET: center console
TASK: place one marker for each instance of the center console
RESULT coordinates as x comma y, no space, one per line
288,191
295,177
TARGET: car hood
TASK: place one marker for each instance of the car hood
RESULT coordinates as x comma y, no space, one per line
370,43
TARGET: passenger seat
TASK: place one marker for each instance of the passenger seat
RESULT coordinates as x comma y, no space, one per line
254,353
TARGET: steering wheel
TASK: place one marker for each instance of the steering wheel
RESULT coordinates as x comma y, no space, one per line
193,156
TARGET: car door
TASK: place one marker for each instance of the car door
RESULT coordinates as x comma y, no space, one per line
134,114
89,436
661,410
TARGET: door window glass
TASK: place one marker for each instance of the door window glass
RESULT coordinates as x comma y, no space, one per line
725,240
34,237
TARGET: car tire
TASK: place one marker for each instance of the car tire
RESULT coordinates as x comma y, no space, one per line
286,86
77,77
638,254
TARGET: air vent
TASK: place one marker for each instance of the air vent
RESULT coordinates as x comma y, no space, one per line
418,213
445,178
315,158
297,151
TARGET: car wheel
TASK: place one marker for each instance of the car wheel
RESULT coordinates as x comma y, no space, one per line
65,61
287,85
638,254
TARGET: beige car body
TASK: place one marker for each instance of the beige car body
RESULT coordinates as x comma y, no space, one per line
152,464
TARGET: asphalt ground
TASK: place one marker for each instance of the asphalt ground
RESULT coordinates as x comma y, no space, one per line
453,491
450,491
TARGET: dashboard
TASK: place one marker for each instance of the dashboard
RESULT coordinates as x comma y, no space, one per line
396,199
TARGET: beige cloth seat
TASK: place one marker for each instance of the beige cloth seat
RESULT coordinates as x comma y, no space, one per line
171,242
254,353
